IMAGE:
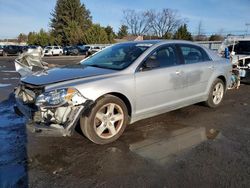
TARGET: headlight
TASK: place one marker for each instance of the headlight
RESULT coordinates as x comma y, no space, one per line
60,97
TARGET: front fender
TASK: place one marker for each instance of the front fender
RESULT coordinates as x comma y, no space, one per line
121,84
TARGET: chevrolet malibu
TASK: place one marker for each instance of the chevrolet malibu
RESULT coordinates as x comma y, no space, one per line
120,85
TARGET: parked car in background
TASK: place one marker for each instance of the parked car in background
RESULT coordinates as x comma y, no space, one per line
71,50
75,50
1,49
120,85
53,50
12,50
240,56
30,48
94,49
65,48
85,50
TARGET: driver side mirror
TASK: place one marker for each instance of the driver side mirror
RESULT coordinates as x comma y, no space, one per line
151,63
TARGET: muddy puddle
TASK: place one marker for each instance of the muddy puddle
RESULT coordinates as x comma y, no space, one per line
13,153
162,150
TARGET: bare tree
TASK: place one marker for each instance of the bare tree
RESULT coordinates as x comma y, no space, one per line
164,22
137,22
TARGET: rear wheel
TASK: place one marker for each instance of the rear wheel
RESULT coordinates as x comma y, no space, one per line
107,120
216,94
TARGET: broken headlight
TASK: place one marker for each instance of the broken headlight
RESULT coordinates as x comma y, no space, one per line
60,97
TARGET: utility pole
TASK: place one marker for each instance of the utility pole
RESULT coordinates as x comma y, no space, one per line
247,25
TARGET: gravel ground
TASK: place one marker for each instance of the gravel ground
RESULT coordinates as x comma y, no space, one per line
191,147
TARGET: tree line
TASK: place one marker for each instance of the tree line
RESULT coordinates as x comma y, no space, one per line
71,24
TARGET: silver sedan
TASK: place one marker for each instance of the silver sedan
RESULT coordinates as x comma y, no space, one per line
120,85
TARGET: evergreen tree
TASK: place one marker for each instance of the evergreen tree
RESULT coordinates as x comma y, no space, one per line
167,35
22,38
32,38
216,37
123,31
42,38
73,33
95,35
183,33
69,15
110,33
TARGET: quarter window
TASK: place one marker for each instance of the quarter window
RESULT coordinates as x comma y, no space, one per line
193,54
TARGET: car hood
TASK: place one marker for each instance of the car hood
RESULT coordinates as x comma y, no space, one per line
60,74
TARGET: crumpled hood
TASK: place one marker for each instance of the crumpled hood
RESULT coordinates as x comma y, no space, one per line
60,74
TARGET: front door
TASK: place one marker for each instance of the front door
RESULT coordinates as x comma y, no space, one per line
160,87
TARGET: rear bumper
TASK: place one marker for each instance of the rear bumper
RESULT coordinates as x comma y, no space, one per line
35,126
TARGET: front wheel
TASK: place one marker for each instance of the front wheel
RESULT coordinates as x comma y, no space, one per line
216,94
107,120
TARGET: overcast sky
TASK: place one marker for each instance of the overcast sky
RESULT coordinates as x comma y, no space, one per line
18,16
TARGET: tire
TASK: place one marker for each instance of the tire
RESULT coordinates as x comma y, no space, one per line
5,54
102,128
60,54
216,94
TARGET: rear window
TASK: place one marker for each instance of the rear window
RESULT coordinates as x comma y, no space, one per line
193,54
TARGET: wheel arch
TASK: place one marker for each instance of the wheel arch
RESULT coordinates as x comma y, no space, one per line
223,78
123,98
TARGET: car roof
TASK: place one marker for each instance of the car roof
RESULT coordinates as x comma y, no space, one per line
153,42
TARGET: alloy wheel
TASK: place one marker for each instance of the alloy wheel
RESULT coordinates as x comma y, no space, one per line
218,93
108,120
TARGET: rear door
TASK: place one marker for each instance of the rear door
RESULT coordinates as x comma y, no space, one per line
198,69
162,87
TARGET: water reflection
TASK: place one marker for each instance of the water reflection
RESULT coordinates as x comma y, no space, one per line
13,154
161,150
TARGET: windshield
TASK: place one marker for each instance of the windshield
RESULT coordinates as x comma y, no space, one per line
48,47
118,56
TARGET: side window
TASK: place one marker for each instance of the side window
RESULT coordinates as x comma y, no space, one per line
193,54
166,56
56,47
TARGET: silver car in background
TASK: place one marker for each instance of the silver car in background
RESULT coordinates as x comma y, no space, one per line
120,85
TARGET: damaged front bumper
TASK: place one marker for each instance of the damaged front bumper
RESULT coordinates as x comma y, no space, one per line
59,120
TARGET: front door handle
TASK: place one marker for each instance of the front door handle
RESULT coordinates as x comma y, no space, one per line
178,72
211,67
